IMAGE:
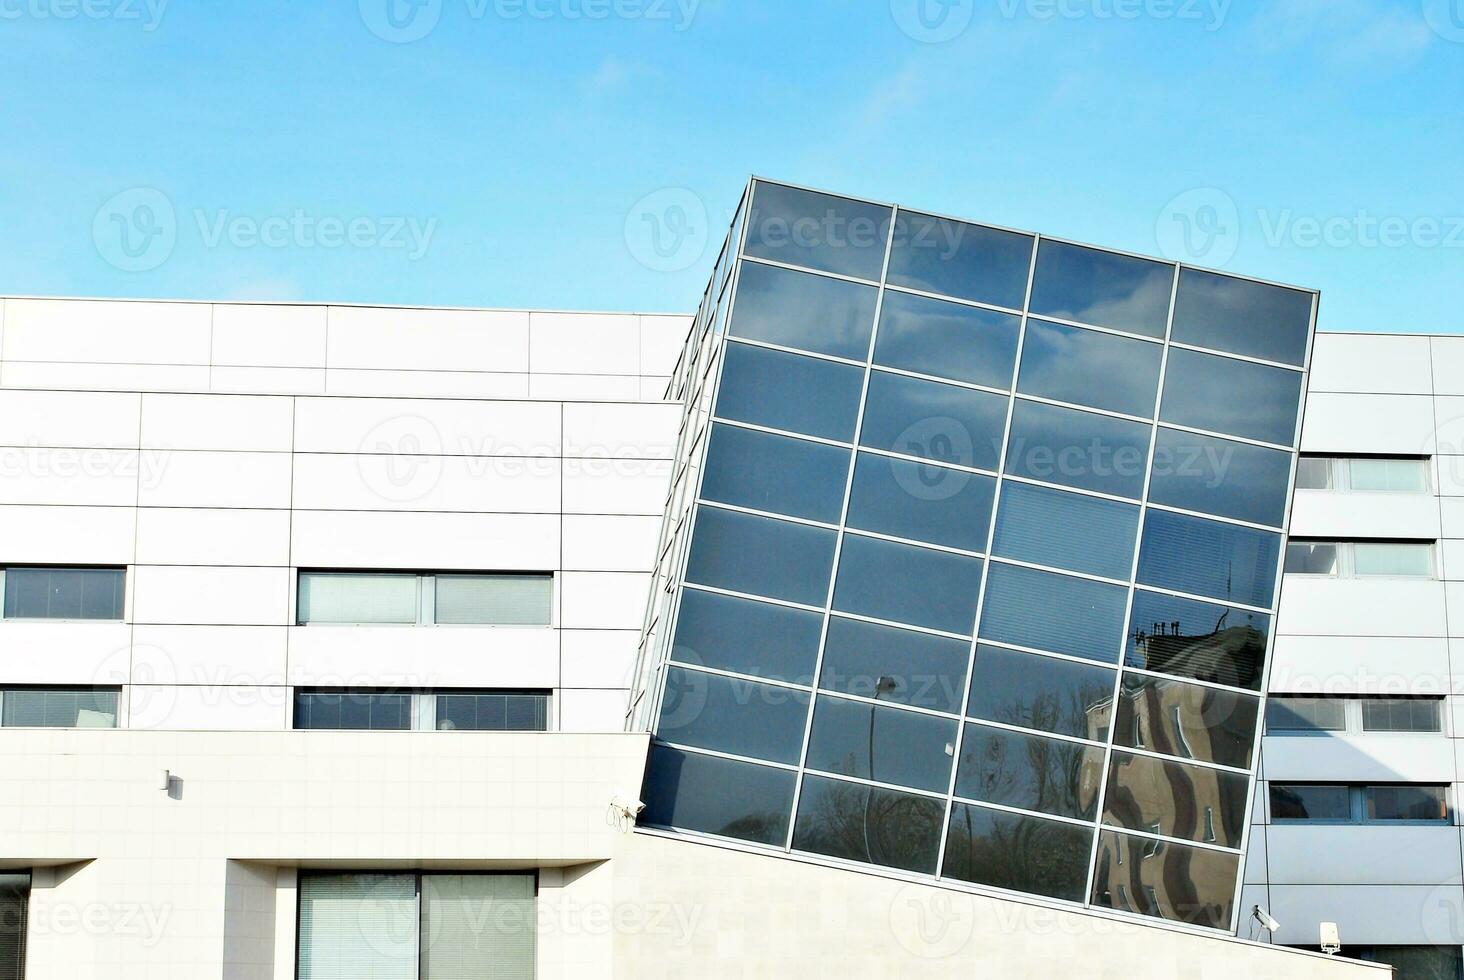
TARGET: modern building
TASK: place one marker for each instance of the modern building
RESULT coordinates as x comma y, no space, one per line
340,642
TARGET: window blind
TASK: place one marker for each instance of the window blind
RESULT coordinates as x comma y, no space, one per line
476,926
14,893
348,597
506,600
358,927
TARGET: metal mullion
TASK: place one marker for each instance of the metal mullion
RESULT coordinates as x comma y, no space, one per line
1181,345
896,705
1201,763
926,461
1006,434
1191,680
785,349
734,675
1218,518
809,270
858,617
1112,331
1034,566
770,430
718,754
1182,842
875,784
1245,440
1161,590
768,514
718,590
1102,798
860,532
1034,651
1019,811
1080,491
958,300
1090,409
839,537
938,379
1039,733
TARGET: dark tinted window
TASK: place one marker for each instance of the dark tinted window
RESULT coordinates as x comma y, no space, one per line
1238,398
818,231
1085,367
63,593
1242,317
921,501
1402,715
863,823
1102,288
1305,802
884,745
1165,880
1186,720
906,584
353,711
788,391
775,473
934,421
1029,772
1293,714
1078,449
1217,476
1222,561
1196,639
1176,799
1040,692
1066,530
14,901
938,255
802,310
747,637
489,712
1402,802
708,711
761,556
948,340
1025,854
1053,612
896,665
717,796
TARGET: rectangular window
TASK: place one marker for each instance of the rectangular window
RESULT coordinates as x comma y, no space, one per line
425,599
1285,714
1402,715
63,593
468,711
416,926
1370,474
1379,803
1405,803
33,707
1361,559
14,900
1289,714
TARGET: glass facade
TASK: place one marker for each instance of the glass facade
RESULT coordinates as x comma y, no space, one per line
970,560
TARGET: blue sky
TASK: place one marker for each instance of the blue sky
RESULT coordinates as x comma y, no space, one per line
581,154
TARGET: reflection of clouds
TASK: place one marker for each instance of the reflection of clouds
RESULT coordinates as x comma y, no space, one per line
1102,288
798,309
1128,309
1243,316
1237,397
1090,368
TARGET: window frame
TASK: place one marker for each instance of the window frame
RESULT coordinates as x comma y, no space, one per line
426,598
1357,806
424,708
115,690
1339,472
122,569
1352,717
1346,565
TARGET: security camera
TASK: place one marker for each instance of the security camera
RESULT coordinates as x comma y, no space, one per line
624,808
1331,939
1264,918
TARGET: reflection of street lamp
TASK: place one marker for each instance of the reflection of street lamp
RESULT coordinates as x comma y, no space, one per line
882,685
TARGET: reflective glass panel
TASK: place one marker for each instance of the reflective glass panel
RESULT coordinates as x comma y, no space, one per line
1238,398
1025,854
63,593
1400,714
1406,559
1102,288
884,745
1186,720
868,824
1288,714
475,711
817,231
1391,475
747,637
1078,449
717,796
497,600
1242,317
1066,530
1312,558
775,473
906,584
353,711
357,597
1218,476
1085,367
1403,802
803,310
954,258
1045,611
761,556
1165,880
1415,962
902,666
725,714
933,421
1029,772
948,340
1044,693
1314,473
1189,638
789,391
1301,801
1207,558
921,501
1175,799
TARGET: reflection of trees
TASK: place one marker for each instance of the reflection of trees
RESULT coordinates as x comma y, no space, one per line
1166,880
1033,773
765,828
1008,851
866,824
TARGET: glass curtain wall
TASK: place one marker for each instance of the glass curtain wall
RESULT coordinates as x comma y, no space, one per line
972,556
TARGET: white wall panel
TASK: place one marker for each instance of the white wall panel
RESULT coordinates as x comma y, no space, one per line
267,381
616,431
375,382
268,335
1359,758
1361,607
441,340
234,422
611,486
208,656
1370,914
603,600
225,479
100,477
482,484
1387,424
101,420
106,331
179,708
169,594
1371,363
104,377
1332,514
585,387
1360,665
598,658
1448,365
1323,855
420,657
504,542
66,535
662,338
611,544
592,711
407,426
584,343
65,653
191,536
